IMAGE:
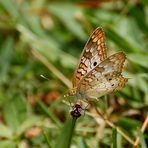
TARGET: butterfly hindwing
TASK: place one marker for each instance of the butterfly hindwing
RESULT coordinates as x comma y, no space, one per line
104,78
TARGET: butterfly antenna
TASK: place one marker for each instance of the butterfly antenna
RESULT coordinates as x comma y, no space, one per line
44,77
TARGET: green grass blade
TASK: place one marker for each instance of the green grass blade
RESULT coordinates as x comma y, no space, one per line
142,141
65,137
47,139
48,112
119,40
65,13
119,141
82,143
6,56
114,137
140,18
10,7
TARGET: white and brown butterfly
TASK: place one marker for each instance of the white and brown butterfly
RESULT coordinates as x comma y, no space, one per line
96,75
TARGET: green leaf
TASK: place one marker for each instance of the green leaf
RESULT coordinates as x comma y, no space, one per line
65,137
5,132
7,144
29,122
14,110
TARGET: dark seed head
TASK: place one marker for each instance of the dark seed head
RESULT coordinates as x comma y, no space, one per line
75,114
76,110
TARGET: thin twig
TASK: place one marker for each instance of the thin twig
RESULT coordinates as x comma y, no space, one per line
52,68
114,126
143,128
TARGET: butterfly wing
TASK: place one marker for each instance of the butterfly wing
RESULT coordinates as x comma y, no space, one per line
93,53
104,78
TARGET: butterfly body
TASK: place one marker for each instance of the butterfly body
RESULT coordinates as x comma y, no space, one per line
97,75
74,92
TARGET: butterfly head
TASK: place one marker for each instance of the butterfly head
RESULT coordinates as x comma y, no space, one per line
71,92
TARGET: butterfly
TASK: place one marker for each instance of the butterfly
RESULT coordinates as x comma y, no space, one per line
96,74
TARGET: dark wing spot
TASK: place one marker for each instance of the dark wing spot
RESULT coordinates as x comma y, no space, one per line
110,79
95,63
112,84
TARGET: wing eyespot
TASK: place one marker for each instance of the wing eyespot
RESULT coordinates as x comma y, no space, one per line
95,63
112,84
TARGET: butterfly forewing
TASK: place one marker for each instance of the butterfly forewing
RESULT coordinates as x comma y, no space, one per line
104,78
93,53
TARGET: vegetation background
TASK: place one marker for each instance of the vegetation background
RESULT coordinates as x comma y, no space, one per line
40,37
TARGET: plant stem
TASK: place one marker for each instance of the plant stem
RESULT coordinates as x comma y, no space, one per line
64,139
144,126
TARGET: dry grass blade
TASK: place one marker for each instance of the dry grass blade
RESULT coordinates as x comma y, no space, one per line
143,128
51,67
113,126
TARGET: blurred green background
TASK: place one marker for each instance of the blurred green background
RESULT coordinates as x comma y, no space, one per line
41,37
